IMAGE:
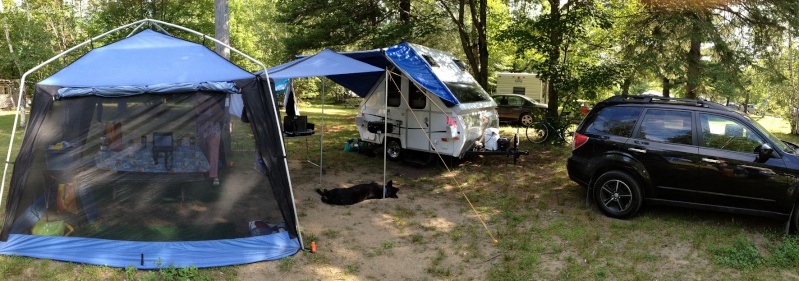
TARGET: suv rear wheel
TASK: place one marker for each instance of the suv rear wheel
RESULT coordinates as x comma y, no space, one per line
617,194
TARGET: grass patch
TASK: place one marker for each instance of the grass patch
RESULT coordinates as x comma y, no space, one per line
437,268
287,264
786,254
740,255
330,233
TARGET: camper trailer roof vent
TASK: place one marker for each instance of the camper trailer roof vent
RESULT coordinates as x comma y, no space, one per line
430,60
460,64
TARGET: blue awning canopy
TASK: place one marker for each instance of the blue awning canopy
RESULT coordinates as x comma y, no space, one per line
325,63
406,59
144,59
360,71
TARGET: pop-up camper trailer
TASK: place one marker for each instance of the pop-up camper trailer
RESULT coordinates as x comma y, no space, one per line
117,161
428,93
525,84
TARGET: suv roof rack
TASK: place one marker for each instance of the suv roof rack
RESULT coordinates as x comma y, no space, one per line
664,100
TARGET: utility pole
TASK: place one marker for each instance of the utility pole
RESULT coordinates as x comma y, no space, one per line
222,29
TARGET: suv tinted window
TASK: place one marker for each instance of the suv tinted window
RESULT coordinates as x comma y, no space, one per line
616,120
725,133
666,126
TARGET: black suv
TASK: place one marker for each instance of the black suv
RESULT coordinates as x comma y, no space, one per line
683,152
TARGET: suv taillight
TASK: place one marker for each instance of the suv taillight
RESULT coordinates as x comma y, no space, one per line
579,140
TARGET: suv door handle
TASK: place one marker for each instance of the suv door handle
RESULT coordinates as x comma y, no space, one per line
714,161
637,150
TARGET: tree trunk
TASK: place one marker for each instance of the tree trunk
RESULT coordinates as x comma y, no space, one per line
666,87
555,41
221,27
475,49
694,57
746,103
482,43
405,10
625,86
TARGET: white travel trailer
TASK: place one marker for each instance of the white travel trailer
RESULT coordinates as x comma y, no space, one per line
525,84
428,103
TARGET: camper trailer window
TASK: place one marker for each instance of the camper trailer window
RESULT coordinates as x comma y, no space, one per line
430,60
460,64
393,98
518,90
417,98
468,92
394,91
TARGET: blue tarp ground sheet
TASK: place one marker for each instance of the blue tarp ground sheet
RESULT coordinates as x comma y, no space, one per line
153,255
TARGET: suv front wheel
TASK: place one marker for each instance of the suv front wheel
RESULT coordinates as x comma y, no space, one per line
617,194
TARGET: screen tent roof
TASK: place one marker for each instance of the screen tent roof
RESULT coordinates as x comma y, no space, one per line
147,58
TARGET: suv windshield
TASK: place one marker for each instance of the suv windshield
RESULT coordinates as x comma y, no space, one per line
467,92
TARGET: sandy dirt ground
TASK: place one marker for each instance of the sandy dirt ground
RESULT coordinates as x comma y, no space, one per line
427,234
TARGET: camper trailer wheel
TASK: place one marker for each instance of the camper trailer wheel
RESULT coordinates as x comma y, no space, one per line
394,150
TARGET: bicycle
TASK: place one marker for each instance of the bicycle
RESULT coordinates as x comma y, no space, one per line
563,127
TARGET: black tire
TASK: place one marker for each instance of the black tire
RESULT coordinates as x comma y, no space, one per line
394,150
568,133
526,120
617,194
537,133
794,223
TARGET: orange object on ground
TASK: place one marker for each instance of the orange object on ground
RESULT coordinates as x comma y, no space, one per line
313,246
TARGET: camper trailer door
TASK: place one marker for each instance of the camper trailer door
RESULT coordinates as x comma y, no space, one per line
418,130
418,117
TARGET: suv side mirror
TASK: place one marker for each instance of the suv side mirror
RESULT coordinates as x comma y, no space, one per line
764,151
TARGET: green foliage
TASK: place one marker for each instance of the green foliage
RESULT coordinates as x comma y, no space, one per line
556,44
317,24
130,272
183,273
104,15
741,255
786,255
254,32
31,39
730,42
287,264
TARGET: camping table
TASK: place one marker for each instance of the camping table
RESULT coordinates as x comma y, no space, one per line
185,159
131,163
